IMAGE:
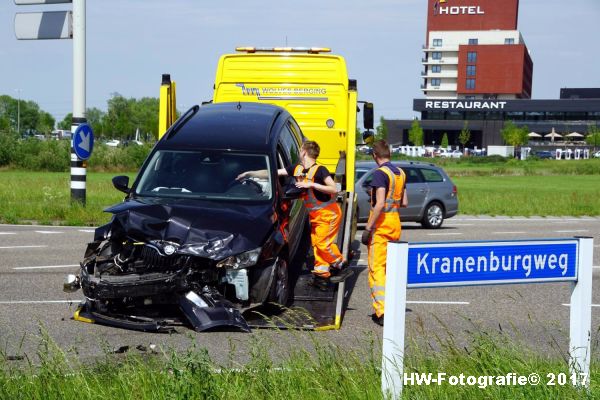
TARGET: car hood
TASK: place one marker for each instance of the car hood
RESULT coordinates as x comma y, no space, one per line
200,228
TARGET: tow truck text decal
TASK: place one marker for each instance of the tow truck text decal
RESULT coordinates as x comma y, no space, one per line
284,93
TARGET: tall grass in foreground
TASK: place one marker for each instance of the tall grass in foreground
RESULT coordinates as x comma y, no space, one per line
327,371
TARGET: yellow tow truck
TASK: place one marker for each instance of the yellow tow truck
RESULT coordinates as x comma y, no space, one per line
313,85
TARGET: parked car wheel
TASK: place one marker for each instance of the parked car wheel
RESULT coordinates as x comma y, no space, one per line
280,288
433,217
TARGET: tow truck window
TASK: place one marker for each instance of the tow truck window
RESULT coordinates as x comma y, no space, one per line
207,175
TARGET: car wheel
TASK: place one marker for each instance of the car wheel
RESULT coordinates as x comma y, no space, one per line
433,217
280,288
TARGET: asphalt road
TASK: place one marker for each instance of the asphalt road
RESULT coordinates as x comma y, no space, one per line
35,259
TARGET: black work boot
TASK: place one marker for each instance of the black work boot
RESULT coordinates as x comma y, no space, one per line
340,271
319,282
377,320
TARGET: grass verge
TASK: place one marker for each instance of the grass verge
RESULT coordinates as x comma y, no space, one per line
512,188
327,371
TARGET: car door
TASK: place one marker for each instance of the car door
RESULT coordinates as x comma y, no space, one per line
289,154
417,191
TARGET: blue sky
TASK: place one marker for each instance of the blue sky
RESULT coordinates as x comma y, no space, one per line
130,43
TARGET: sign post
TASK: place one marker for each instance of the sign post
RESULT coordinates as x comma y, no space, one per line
63,25
78,188
421,265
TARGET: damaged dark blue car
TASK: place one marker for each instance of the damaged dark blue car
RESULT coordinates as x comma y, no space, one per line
192,243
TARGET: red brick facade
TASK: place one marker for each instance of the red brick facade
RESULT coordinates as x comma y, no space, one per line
499,69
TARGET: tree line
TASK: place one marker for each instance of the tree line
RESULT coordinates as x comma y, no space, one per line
124,116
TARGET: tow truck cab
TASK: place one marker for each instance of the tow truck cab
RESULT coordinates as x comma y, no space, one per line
310,83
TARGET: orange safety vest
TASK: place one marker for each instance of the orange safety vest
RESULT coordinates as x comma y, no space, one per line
310,200
393,199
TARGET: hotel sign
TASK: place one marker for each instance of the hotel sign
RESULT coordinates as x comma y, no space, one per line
466,105
439,9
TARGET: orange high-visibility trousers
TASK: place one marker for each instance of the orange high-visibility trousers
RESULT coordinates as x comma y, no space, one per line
387,228
324,226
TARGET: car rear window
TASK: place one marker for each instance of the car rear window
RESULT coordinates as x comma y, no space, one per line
431,175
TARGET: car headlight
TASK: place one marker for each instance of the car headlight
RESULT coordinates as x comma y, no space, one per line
242,260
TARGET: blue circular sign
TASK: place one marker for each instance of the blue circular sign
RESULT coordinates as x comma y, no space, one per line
83,141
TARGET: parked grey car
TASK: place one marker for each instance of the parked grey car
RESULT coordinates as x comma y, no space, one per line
432,195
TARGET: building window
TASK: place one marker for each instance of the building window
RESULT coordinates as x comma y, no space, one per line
436,68
509,41
473,41
437,42
472,57
470,70
436,55
470,83
436,82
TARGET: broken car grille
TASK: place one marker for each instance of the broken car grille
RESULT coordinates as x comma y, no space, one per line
152,259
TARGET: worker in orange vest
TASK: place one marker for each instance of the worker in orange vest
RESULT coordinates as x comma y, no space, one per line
387,190
324,214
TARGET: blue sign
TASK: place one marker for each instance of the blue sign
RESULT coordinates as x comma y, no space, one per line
83,141
481,263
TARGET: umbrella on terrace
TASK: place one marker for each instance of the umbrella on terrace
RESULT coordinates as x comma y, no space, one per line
534,134
553,135
574,135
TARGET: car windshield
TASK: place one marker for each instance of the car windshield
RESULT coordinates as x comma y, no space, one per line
205,174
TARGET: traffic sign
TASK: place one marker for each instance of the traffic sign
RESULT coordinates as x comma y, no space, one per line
83,141
484,263
44,25
418,265
30,2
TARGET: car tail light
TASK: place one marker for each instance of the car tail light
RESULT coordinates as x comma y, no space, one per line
454,191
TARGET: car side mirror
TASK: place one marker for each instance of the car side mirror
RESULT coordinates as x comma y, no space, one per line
292,193
366,188
368,113
121,183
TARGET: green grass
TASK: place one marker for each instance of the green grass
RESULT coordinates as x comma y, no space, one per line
486,186
45,198
326,371
552,195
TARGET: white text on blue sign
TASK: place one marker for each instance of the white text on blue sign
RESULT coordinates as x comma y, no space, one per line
470,263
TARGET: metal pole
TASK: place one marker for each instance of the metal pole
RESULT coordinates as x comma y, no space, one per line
78,167
392,363
580,331
18,111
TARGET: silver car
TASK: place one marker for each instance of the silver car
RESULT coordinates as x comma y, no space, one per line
432,195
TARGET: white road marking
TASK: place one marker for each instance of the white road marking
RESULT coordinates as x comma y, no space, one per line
21,247
7,233
569,305
439,302
444,234
39,301
47,232
87,230
43,226
572,231
509,233
48,266
509,219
